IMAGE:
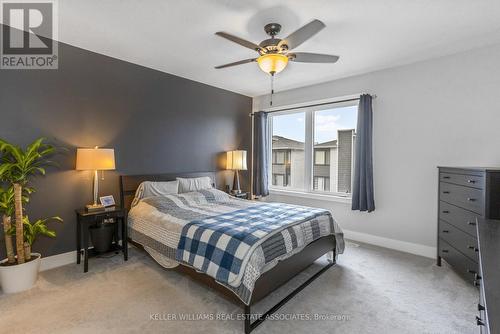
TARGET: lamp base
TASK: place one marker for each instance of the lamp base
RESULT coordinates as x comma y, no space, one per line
236,183
94,207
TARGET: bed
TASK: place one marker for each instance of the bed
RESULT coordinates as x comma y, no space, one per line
243,249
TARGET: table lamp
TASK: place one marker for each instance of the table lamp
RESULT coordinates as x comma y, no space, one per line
236,160
96,159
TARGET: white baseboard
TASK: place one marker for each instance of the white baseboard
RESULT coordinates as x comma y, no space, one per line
399,245
59,260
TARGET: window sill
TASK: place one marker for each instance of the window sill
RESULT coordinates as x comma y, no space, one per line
311,195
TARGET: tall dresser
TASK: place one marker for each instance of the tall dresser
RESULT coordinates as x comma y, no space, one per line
464,195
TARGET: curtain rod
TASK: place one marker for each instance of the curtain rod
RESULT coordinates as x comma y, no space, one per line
313,105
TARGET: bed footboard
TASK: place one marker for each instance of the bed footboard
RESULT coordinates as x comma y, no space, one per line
282,273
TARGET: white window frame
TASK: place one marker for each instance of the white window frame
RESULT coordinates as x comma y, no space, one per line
308,191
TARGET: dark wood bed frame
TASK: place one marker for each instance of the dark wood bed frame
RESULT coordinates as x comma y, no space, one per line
269,281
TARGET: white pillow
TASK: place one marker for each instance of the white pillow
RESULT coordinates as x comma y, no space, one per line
194,184
150,188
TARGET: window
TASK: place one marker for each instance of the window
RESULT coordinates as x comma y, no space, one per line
281,157
321,157
313,148
321,183
279,180
288,137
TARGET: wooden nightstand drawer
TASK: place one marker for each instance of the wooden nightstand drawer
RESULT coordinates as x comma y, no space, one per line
464,197
463,242
458,217
473,181
103,216
242,195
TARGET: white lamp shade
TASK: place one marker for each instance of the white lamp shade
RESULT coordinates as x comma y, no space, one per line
237,160
95,159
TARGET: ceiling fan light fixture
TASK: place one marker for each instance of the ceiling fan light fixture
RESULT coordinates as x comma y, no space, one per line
272,63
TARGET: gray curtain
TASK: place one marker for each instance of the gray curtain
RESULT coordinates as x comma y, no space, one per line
260,155
362,193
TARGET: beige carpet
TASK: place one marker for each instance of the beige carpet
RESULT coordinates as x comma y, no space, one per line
371,290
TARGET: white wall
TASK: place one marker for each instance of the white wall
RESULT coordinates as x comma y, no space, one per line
444,111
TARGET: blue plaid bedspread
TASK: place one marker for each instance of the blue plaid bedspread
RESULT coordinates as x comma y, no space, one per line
218,245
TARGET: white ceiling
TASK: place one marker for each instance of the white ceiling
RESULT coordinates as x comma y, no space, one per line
177,36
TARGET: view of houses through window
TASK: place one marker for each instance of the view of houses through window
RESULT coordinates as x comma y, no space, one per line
330,166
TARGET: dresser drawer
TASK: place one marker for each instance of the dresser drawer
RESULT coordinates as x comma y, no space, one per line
460,240
473,181
464,197
461,263
463,219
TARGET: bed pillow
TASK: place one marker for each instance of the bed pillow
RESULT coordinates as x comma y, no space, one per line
150,188
194,184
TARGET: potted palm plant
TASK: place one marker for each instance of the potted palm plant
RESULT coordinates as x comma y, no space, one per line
17,167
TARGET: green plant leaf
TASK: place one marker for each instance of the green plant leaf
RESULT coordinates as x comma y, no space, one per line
19,166
32,230
11,230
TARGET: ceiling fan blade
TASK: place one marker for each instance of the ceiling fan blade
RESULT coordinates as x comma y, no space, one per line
302,34
306,57
239,41
236,63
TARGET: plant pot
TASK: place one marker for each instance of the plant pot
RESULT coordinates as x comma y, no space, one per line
20,277
102,236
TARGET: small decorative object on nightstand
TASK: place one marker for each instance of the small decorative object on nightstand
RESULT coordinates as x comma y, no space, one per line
86,220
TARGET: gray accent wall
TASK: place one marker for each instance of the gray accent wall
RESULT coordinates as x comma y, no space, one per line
156,122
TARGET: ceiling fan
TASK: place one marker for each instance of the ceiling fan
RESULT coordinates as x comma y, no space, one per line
274,53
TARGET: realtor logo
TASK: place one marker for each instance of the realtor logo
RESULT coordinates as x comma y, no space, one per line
29,34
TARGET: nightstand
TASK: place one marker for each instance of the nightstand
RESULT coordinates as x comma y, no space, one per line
85,219
242,195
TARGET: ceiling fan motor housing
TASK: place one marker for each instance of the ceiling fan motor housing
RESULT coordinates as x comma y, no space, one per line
271,44
272,29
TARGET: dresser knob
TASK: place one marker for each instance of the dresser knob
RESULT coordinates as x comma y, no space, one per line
444,250
471,199
480,307
446,177
471,181
446,192
473,248
472,223
446,231
446,211
479,321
